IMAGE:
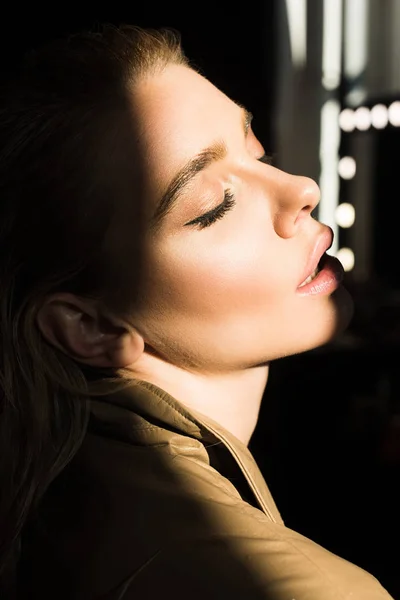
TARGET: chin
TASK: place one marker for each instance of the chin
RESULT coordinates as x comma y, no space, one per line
341,308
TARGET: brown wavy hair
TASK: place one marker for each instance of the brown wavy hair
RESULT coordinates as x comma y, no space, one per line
70,211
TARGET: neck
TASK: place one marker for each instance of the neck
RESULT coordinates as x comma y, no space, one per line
232,399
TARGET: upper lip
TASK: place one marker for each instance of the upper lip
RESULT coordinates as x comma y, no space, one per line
323,243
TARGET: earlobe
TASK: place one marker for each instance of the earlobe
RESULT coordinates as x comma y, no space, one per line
78,328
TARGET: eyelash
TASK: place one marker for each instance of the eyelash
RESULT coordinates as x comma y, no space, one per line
228,203
216,213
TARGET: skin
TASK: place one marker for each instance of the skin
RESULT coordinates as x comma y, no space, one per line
217,304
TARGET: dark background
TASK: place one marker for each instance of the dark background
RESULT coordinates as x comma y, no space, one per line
326,439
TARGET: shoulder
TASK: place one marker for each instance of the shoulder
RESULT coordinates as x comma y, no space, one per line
149,523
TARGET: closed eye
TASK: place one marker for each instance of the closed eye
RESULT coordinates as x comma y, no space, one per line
216,213
228,203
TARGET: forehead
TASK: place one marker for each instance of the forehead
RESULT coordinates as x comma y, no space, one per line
179,114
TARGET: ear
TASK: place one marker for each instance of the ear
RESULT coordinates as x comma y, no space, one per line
81,330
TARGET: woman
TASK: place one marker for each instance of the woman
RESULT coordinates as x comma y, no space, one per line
153,264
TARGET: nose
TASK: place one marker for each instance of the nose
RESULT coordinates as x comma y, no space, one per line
296,197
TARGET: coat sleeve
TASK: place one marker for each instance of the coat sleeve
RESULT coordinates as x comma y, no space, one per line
203,542
159,528
278,564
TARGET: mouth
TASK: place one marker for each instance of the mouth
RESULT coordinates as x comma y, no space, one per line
316,271
323,273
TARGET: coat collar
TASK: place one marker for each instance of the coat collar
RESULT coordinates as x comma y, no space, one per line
146,415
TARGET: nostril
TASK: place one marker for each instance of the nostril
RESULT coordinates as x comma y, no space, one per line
305,211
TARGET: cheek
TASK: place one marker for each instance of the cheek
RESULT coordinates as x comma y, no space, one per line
239,273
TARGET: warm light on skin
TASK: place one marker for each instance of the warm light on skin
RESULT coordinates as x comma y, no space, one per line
218,304
224,298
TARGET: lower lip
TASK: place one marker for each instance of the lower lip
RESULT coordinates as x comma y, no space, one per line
327,280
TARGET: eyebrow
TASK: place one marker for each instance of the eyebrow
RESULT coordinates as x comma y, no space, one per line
215,152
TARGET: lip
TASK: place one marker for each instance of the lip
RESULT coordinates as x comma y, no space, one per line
331,270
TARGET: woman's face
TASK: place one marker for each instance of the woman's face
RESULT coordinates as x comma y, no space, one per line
233,240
